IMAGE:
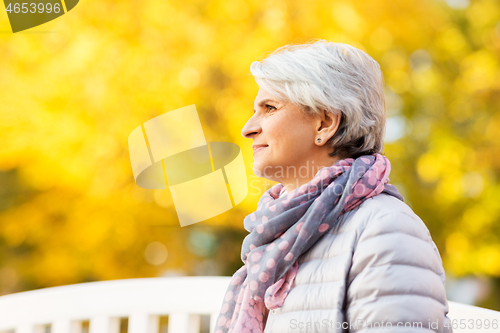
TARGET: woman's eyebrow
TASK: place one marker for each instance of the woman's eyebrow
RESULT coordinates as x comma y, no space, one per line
262,103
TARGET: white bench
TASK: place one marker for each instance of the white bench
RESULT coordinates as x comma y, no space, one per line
472,319
103,305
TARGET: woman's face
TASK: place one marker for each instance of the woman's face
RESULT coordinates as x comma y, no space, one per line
283,138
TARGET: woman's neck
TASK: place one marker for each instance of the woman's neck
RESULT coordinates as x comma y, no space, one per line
306,172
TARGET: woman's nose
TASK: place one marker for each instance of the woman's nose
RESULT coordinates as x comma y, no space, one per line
251,128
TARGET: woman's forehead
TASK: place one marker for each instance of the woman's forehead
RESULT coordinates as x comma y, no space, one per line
263,97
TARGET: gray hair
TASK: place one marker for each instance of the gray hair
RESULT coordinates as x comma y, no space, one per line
334,77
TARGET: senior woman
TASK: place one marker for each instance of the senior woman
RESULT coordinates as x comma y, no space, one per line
332,247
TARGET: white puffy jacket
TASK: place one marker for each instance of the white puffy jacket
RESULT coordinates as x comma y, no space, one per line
377,273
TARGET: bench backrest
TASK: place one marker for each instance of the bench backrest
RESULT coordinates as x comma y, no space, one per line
100,307
102,304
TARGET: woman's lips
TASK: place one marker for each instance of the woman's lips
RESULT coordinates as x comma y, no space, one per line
258,149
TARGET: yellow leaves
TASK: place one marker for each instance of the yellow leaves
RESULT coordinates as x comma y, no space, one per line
472,184
163,198
399,81
457,243
381,39
445,164
14,233
95,89
458,253
274,18
489,259
55,267
24,223
395,59
189,78
139,194
9,278
426,81
476,219
223,105
461,259
492,129
394,64
160,15
473,247
348,18
156,253
94,226
483,13
80,53
450,154
452,42
70,99
461,108
125,231
449,188
237,9
446,157
479,71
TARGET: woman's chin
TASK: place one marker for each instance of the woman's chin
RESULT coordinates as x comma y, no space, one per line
260,169
259,172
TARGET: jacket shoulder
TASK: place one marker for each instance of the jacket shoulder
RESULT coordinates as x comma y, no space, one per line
396,267
388,226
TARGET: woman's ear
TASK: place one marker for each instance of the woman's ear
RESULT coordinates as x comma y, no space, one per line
327,125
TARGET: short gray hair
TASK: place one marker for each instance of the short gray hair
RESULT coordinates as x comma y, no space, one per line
334,77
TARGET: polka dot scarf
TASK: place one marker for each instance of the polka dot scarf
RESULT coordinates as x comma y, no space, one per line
284,227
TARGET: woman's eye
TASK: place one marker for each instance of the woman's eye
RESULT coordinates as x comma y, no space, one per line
270,108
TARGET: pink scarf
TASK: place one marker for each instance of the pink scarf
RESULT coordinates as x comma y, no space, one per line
283,228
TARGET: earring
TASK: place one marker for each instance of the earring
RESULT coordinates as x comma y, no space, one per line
319,140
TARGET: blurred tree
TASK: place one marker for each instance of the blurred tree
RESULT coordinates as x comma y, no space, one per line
73,89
